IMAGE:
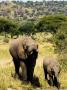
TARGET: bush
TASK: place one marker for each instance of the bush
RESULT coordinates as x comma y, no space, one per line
60,38
50,23
6,40
27,28
60,42
63,61
8,26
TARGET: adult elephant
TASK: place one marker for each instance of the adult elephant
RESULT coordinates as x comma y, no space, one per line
24,52
51,70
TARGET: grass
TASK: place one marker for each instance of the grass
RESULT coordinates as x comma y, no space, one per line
8,82
4,52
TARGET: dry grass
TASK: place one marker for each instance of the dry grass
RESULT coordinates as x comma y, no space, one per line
4,52
7,81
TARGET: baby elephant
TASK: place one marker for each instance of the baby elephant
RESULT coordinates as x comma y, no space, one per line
51,70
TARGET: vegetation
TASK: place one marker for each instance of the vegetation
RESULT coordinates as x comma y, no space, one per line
20,10
27,28
60,40
57,26
51,23
7,26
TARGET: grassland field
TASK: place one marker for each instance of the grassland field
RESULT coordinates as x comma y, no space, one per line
7,82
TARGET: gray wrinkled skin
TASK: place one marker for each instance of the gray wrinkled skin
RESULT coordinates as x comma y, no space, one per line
24,52
51,70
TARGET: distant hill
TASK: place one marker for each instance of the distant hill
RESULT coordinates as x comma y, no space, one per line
31,10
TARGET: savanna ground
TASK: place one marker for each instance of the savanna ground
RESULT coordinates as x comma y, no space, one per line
7,82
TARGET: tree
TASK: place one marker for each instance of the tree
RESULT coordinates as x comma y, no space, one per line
50,23
7,26
27,28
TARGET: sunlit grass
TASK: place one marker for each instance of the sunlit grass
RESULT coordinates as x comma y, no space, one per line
7,81
4,51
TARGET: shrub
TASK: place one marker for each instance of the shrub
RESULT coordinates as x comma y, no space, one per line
6,40
50,23
27,28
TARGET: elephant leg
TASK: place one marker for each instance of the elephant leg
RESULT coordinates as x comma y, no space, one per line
30,74
17,66
45,72
50,80
24,71
56,82
30,70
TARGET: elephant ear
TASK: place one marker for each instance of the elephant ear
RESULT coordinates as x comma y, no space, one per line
21,53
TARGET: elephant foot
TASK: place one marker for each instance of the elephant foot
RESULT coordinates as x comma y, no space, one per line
22,78
57,85
35,82
50,82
